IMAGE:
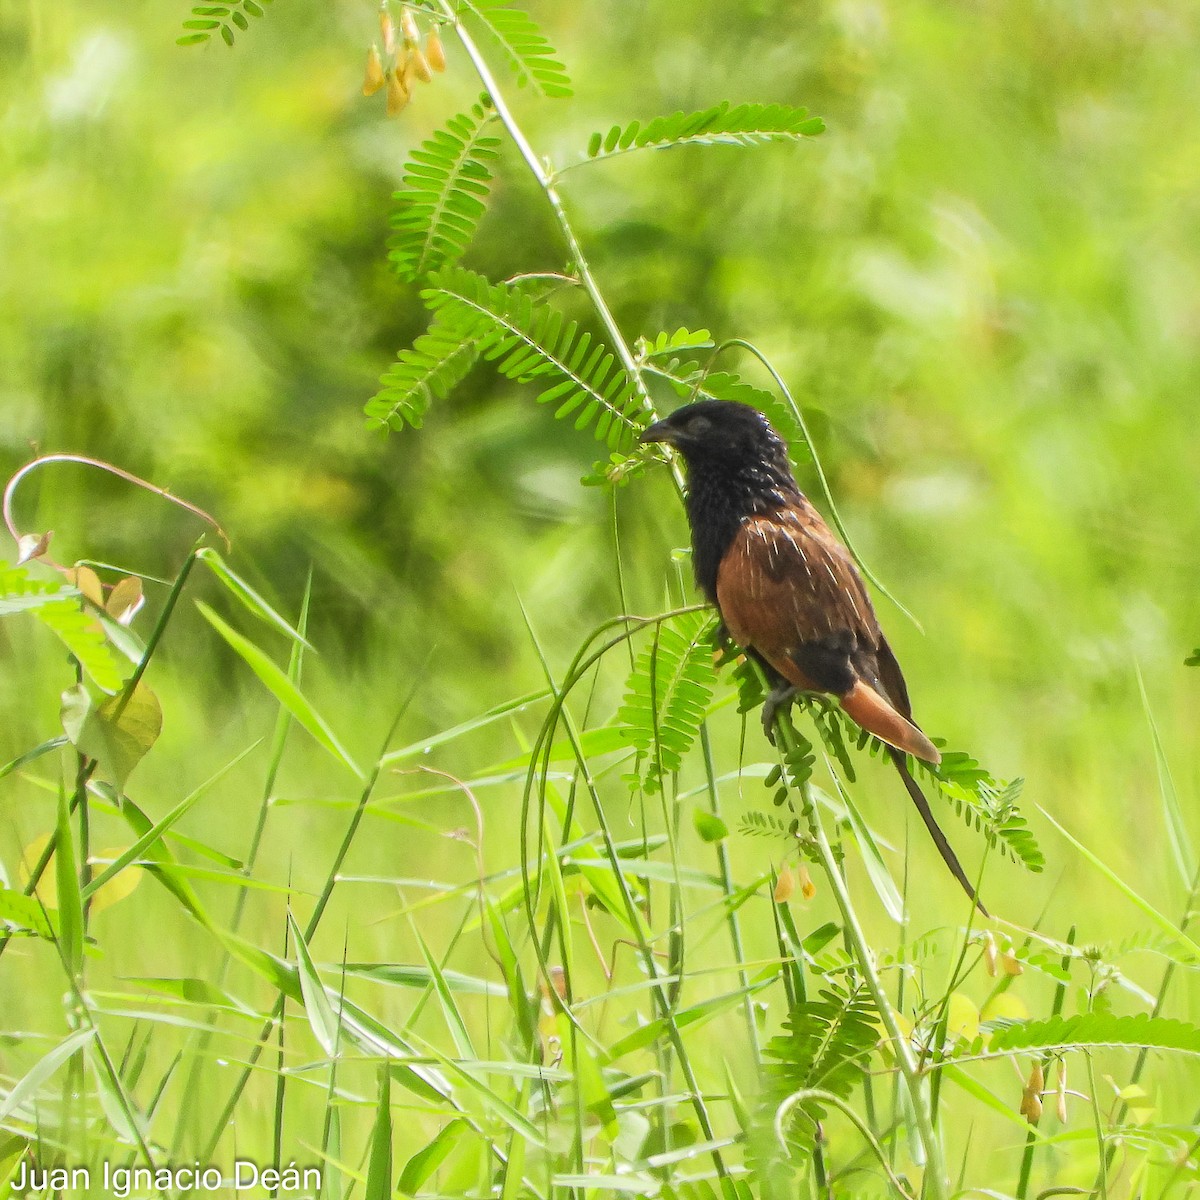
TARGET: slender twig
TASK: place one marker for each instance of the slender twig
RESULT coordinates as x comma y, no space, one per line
99,464
823,1097
935,1172
726,873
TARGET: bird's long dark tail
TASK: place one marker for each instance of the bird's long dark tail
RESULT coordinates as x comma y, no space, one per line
935,831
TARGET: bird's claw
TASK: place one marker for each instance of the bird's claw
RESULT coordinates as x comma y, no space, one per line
778,698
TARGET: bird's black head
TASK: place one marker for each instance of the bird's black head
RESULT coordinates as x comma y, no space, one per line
723,437
737,466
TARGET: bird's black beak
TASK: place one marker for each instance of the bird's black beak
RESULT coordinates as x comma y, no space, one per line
660,431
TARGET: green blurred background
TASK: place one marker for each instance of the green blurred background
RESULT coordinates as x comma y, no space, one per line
983,284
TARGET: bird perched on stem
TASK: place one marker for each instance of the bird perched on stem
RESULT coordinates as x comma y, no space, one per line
787,590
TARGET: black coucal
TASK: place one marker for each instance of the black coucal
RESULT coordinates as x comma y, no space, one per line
787,590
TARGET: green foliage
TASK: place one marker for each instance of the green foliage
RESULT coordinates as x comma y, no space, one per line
118,732
431,367
667,695
530,341
914,323
58,607
761,824
723,124
1193,660
799,758
826,1043
529,54
207,19
446,185
1092,1030
988,805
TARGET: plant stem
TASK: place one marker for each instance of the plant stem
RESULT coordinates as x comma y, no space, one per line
735,931
545,180
935,1170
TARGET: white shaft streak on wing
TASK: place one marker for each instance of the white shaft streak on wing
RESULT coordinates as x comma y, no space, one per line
853,603
755,576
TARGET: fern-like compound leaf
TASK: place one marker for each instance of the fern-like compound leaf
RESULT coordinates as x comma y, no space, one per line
208,19
988,805
446,184
741,125
531,342
825,1045
761,824
667,695
532,57
1095,1029
434,364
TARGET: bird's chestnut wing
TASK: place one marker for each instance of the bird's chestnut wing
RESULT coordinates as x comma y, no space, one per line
788,588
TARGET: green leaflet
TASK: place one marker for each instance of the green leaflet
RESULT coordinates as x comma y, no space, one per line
118,732
825,1044
207,19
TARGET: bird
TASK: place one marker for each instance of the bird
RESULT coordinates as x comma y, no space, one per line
786,589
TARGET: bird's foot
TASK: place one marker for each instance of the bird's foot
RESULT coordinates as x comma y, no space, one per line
779,697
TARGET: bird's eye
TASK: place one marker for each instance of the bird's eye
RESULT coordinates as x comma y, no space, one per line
698,424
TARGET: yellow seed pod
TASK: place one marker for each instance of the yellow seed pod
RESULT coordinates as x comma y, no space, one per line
373,77
412,35
387,31
408,71
1037,1079
398,94
1060,1108
989,955
420,65
1011,964
808,889
785,885
435,52
1031,1108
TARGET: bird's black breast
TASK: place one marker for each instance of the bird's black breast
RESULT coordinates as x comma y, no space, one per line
714,523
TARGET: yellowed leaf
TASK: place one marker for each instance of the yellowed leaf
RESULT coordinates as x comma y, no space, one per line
125,600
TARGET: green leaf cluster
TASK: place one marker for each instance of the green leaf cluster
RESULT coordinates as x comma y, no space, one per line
740,125
59,608
431,367
513,326
207,19
988,805
1091,1030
